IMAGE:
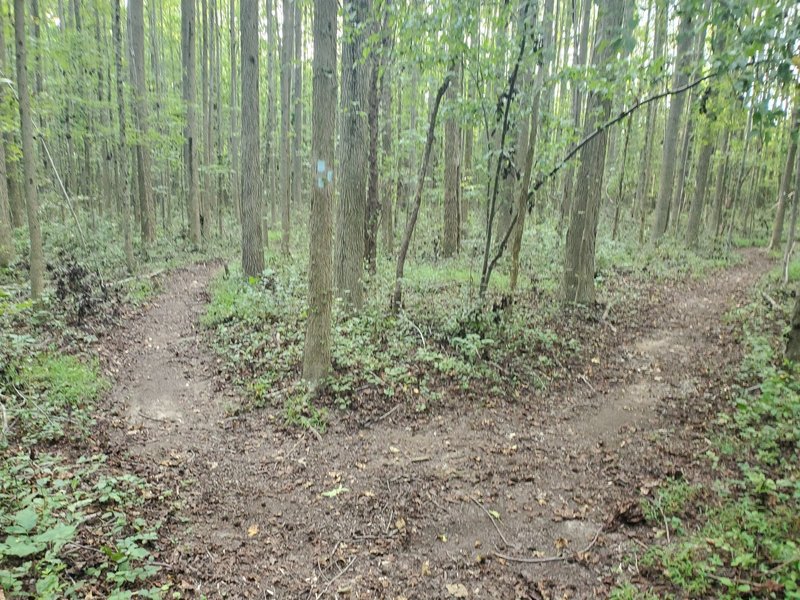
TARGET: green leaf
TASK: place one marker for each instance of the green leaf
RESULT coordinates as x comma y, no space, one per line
20,547
26,518
59,534
335,492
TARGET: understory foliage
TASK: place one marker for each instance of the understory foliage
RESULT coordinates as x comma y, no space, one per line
446,345
739,537
70,524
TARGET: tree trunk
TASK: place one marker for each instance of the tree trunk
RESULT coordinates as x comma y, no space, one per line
189,98
397,296
792,235
698,201
373,205
719,191
786,179
579,266
793,337
677,102
235,178
317,352
387,212
6,230
287,51
351,213
252,244
137,58
297,92
28,154
272,118
451,219
122,143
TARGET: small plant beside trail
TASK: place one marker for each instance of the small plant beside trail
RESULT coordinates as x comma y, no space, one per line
739,537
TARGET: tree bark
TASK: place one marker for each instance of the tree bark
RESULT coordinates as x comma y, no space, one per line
287,51
786,178
235,178
144,177
190,133
122,143
701,183
28,154
677,102
252,243
317,352
351,213
451,214
6,229
579,264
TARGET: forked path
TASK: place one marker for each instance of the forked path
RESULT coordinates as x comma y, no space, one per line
412,517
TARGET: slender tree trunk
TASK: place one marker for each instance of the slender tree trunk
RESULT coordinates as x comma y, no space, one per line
451,214
252,244
189,98
297,92
719,191
144,178
791,238
317,352
786,178
373,205
351,213
677,102
122,143
287,51
272,119
397,296
235,180
387,190
28,154
6,232
579,264
698,201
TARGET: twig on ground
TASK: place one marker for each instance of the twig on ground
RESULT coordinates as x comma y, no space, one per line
666,526
157,419
772,301
492,519
419,459
342,572
389,412
551,559
586,381
419,331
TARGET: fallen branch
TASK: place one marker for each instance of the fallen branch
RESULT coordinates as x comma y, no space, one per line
492,519
551,559
772,301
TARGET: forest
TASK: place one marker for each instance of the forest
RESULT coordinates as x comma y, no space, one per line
399,299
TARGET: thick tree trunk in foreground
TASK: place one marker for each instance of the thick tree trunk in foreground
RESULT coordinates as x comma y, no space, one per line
351,213
252,243
317,352
793,337
28,157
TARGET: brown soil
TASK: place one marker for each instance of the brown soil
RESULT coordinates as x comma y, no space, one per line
246,516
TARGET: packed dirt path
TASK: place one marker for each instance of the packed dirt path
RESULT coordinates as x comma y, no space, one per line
527,498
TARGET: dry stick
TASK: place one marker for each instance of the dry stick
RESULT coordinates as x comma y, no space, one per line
342,572
772,302
492,519
550,559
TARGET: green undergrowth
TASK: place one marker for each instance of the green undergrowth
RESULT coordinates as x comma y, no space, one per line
71,526
740,537
442,345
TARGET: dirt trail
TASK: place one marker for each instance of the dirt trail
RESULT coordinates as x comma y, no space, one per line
249,519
